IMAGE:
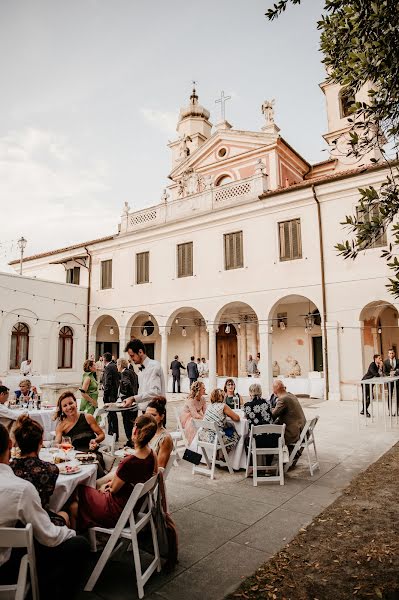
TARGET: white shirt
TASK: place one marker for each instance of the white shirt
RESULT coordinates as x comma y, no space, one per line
205,369
200,367
20,501
151,383
7,413
26,369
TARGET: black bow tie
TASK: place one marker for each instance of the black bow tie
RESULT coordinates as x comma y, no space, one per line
141,368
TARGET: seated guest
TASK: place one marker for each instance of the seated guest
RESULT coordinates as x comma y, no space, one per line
376,369
103,507
60,556
28,435
288,411
258,411
162,442
128,387
217,412
7,416
193,408
232,398
82,428
89,389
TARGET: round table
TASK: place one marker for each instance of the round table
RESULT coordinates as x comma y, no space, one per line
43,416
66,484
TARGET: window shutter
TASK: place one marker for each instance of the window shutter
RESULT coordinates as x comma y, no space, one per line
185,260
296,238
368,215
233,250
290,239
106,274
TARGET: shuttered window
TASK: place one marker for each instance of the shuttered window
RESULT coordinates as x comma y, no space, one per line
233,251
185,259
142,267
290,239
367,216
73,275
106,274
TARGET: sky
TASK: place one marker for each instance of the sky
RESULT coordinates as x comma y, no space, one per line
91,91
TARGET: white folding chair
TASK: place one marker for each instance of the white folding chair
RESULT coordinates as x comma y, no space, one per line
305,441
214,447
178,436
14,537
107,449
100,414
127,527
255,451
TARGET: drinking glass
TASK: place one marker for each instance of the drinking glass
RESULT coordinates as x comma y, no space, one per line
66,445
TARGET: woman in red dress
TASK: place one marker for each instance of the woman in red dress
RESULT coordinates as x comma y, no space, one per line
103,507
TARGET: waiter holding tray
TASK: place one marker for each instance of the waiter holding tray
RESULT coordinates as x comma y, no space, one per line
151,379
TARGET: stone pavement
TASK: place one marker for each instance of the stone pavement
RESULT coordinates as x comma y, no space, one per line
228,528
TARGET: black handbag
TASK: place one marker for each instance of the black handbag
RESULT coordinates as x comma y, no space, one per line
192,457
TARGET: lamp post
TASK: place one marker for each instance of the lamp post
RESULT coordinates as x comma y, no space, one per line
21,245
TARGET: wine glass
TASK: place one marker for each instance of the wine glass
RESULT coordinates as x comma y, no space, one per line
66,445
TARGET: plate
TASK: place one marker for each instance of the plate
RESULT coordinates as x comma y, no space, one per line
85,457
67,470
124,452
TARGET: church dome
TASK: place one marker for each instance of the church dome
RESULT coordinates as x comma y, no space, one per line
194,109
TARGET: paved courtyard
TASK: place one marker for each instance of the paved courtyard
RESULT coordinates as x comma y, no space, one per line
227,527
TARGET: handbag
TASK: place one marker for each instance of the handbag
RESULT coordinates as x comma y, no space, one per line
192,457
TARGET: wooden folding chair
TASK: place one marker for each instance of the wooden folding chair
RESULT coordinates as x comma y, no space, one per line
128,527
213,447
255,452
15,537
305,441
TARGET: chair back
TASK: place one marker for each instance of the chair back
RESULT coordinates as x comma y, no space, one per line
108,443
312,425
261,429
17,537
203,424
169,464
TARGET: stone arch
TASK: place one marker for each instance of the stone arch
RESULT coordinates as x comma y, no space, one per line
380,331
105,336
137,327
187,334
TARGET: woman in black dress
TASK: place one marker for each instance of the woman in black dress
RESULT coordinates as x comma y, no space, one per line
43,475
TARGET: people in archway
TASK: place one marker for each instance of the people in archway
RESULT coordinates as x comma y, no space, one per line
111,387
176,366
193,408
89,389
232,397
391,368
205,367
252,368
151,379
192,371
376,369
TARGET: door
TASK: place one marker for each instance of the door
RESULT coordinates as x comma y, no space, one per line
226,352
112,347
317,353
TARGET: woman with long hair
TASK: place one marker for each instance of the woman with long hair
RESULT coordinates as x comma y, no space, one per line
162,442
232,398
193,408
217,412
89,389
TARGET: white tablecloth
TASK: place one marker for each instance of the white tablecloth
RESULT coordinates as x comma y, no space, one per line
238,458
45,418
66,484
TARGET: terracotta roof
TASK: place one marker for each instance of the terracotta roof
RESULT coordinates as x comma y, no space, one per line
66,249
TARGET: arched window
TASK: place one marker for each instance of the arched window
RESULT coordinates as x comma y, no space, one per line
65,348
346,102
223,180
19,345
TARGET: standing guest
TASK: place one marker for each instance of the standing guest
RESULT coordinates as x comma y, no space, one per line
28,435
103,507
205,367
89,389
233,398
128,388
193,408
289,411
7,416
258,411
151,379
82,428
192,371
60,554
391,366
111,387
376,369
257,363
175,367
162,442
100,370
26,367
217,412
199,367
251,366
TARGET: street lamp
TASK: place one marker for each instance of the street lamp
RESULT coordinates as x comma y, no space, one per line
21,245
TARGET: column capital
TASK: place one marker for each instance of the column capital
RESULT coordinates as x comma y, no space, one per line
164,330
212,329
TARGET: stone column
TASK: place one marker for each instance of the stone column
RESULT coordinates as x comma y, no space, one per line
165,331
265,363
334,371
212,330
243,364
197,340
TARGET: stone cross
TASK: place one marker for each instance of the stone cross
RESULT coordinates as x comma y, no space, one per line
222,101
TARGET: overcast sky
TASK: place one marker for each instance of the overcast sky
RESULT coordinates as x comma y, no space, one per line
91,91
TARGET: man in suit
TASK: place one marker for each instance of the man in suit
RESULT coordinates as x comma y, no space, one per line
128,387
391,364
111,387
175,367
192,371
288,411
376,369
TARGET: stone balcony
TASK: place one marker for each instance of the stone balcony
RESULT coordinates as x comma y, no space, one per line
212,198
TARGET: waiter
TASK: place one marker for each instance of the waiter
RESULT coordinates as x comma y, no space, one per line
151,379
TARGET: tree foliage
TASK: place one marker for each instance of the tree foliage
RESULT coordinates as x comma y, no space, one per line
360,44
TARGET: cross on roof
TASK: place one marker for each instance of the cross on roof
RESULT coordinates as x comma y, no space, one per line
222,101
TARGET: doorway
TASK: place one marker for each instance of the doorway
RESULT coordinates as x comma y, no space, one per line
112,347
226,352
317,344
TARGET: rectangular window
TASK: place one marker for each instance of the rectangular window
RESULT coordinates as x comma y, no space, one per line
290,239
142,267
185,259
106,274
73,275
372,212
233,251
